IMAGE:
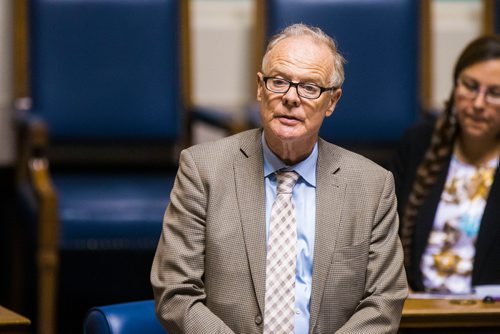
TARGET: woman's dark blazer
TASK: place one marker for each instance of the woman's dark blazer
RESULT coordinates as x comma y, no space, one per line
486,267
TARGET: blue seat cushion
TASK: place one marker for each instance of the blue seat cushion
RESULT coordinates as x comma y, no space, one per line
111,211
125,318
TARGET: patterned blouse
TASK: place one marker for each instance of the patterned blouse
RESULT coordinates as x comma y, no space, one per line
447,261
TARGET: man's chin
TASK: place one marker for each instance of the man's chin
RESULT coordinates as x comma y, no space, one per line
287,134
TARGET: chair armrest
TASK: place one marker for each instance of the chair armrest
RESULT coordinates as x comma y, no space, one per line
33,175
32,140
34,167
220,119
126,318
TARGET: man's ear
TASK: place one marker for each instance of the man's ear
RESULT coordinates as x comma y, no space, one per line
332,102
259,86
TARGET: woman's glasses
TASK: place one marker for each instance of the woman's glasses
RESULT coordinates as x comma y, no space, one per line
471,89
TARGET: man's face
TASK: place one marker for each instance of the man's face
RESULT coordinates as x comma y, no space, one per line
288,118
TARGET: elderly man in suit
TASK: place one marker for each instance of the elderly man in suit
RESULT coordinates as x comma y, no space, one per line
222,265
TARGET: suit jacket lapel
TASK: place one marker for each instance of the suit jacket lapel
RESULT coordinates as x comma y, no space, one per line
250,192
330,189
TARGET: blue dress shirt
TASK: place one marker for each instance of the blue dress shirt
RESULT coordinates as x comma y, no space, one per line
304,197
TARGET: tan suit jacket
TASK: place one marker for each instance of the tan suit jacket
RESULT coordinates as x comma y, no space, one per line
208,274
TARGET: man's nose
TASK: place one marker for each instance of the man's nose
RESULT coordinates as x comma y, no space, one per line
292,96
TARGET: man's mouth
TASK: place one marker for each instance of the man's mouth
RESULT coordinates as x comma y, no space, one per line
288,120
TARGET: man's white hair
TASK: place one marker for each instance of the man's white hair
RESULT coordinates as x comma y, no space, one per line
299,30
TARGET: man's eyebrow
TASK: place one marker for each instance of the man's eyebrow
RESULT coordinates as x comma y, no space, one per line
307,79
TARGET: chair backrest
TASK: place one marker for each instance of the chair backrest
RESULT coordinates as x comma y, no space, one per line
127,318
106,70
379,39
496,16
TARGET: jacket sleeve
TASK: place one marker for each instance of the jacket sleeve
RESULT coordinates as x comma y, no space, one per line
178,266
379,311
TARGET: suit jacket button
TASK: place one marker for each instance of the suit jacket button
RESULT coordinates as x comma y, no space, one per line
258,320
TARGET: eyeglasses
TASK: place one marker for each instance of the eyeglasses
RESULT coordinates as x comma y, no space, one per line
470,89
306,90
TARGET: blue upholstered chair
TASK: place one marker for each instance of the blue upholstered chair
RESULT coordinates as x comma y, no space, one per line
496,16
380,40
126,318
108,96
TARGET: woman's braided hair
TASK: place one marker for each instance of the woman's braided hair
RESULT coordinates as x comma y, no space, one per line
442,140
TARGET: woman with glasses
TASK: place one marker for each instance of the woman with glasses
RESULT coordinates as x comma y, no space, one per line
448,183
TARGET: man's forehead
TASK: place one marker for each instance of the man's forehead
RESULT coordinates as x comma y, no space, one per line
300,43
299,53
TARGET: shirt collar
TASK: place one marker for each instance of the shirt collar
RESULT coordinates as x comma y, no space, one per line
306,168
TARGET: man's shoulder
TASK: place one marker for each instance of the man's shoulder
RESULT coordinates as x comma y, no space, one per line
227,146
347,159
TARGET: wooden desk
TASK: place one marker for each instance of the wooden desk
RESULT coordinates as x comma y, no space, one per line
11,321
450,316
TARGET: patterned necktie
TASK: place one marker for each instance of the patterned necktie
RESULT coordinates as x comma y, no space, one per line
279,315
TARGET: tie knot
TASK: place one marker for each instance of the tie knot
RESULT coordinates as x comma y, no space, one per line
286,181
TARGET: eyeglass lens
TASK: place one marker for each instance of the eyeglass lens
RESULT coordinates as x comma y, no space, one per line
279,85
471,90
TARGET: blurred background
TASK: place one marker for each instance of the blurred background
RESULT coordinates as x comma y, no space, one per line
222,55
222,38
